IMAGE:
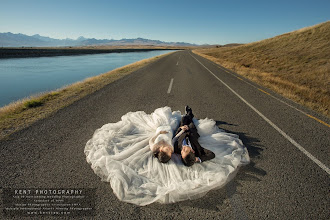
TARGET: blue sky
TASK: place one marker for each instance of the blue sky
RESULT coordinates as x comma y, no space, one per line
201,22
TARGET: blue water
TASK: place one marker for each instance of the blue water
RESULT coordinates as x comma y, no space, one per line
23,77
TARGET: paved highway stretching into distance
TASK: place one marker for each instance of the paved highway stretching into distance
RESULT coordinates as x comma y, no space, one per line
288,177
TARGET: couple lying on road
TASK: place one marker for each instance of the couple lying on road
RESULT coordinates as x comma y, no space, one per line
185,142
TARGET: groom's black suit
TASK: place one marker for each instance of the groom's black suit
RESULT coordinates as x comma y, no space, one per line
192,135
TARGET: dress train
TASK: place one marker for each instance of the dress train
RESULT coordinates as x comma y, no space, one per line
119,153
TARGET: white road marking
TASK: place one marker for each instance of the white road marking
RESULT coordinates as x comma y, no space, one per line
310,156
177,63
170,87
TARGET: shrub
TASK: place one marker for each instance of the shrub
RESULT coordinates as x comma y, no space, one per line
32,103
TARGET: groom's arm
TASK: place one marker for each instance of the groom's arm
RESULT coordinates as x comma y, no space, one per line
184,128
179,132
176,137
209,155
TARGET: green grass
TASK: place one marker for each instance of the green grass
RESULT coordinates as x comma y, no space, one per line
36,102
32,103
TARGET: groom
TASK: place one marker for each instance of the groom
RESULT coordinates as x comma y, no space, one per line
186,142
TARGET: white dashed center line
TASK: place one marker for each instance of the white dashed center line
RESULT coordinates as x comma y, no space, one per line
170,87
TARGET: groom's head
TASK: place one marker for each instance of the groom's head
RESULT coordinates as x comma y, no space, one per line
188,156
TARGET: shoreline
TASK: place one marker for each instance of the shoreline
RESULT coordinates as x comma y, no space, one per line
8,53
23,113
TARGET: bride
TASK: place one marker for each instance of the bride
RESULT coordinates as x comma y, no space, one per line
120,153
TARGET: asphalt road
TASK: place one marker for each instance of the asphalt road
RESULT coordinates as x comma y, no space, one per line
281,182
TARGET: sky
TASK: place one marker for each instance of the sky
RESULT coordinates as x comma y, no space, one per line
198,22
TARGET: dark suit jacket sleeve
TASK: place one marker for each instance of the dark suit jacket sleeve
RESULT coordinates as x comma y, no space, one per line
176,141
176,148
206,155
177,131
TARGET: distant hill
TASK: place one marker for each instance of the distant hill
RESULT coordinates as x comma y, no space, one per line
22,40
295,64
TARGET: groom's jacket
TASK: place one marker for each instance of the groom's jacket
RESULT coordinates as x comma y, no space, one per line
192,135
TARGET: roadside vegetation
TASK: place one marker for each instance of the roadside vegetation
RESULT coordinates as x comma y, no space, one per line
295,64
23,113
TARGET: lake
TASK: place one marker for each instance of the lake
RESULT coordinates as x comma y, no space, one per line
23,77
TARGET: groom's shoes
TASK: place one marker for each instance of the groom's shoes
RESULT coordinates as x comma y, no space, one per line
188,111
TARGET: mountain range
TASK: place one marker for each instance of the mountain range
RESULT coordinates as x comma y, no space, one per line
21,40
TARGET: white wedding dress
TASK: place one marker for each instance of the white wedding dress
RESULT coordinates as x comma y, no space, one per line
119,153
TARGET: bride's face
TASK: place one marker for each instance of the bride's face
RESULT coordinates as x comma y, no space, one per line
167,150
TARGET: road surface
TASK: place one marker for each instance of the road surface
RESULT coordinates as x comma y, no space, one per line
288,177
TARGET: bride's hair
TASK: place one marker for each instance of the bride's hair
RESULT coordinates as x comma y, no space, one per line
162,157
189,160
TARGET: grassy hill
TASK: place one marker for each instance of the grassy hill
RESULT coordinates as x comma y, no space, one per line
295,64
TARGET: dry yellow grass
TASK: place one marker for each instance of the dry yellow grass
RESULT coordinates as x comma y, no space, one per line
23,113
295,64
